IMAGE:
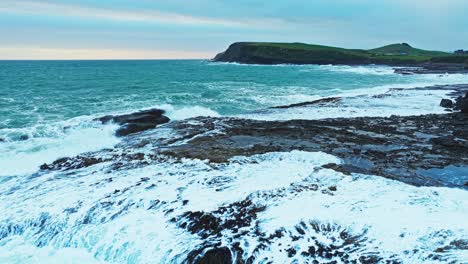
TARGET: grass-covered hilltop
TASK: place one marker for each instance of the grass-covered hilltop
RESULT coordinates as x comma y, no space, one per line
300,53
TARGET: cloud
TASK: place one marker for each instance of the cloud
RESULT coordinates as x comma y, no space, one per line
38,53
150,16
434,7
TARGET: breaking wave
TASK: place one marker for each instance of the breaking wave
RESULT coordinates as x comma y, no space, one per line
304,213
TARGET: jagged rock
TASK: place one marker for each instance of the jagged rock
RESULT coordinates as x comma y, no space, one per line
132,128
395,147
216,256
71,163
446,103
433,68
136,122
462,103
316,102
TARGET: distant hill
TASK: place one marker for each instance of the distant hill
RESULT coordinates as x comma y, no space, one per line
301,53
406,49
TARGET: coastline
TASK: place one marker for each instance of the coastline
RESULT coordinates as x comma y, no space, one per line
426,152
332,179
413,61
396,147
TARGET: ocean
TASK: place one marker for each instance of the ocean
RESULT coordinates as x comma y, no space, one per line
48,111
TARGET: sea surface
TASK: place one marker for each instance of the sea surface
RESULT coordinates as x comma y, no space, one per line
47,111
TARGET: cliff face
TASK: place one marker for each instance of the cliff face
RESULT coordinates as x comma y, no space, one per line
234,53
294,53
248,53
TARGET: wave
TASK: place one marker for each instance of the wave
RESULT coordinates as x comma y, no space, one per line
25,149
378,102
18,250
180,113
366,70
138,215
221,63
46,143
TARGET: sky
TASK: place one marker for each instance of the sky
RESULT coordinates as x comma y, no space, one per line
192,29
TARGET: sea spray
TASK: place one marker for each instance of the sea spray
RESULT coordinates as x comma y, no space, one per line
137,214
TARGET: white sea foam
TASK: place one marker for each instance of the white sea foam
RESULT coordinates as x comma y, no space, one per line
16,250
180,113
46,143
397,102
366,70
396,216
119,217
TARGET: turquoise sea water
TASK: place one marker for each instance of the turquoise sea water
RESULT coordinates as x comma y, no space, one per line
52,104
101,214
39,92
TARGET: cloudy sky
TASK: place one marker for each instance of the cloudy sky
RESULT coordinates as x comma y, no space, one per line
152,29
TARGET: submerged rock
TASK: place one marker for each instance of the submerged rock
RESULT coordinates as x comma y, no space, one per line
136,122
319,102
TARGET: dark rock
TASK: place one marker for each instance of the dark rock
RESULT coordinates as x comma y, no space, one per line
45,166
207,224
215,256
397,148
77,162
316,102
24,137
461,103
136,122
454,245
433,68
132,128
2,140
291,252
446,103
405,72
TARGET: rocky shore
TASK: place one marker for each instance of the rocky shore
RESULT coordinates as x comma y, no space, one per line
407,149
434,68
426,150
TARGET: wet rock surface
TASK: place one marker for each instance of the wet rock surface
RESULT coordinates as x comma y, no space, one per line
394,147
447,103
316,102
215,256
433,68
136,122
426,150
461,103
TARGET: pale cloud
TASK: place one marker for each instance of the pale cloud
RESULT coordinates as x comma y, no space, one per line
38,53
152,16
434,7
141,29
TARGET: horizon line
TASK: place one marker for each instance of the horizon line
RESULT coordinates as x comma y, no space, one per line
101,59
